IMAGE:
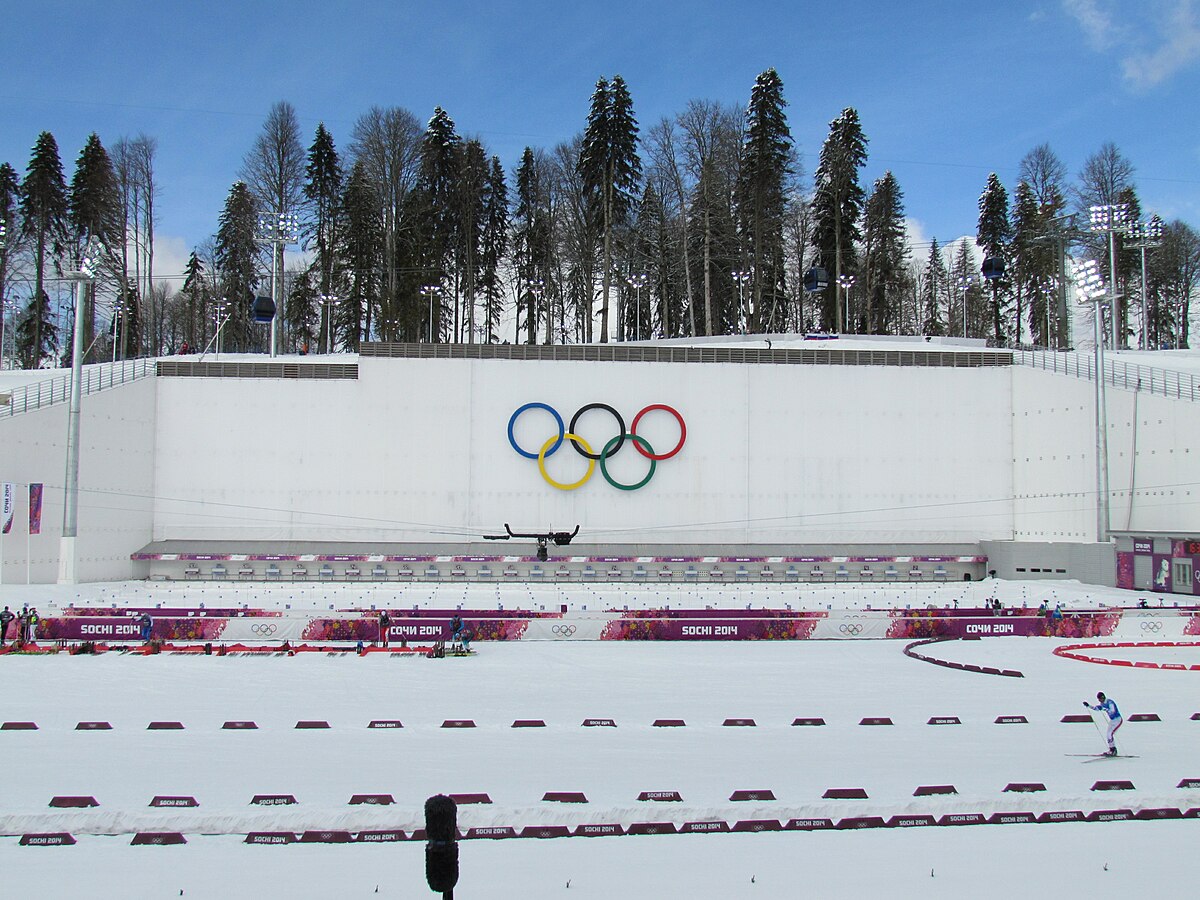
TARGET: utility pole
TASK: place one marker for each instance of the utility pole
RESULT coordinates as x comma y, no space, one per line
279,231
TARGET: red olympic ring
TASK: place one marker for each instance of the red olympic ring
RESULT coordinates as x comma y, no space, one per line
682,431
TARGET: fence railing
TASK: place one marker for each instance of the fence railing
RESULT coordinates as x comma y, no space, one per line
50,391
1118,373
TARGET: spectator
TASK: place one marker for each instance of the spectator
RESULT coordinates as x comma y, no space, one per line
34,620
459,633
5,618
385,627
146,625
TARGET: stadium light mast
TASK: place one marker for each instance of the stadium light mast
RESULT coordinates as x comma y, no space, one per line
845,282
329,301
1090,286
430,291
279,231
1111,219
741,277
84,275
1145,235
637,282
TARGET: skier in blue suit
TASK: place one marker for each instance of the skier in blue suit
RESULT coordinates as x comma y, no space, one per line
1109,708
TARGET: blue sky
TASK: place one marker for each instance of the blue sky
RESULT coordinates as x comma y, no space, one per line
946,92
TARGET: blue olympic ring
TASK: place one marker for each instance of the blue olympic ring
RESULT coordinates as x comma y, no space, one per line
562,430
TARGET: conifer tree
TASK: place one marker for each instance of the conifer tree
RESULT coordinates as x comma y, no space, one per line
195,295
966,294
932,293
531,243
885,257
361,280
438,213
993,237
10,202
236,250
761,200
611,170
95,215
44,224
493,249
837,206
323,193
469,198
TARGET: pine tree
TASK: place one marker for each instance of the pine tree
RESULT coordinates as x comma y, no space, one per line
36,339
531,244
885,258
933,290
494,248
236,251
966,294
438,213
95,215
470,197
10,203
195,295
766,163
611,170
993,237
837,206
323,191
361,249
44,224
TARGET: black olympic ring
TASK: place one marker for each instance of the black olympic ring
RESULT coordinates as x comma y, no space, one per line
620,430
263,628
852,629
564,630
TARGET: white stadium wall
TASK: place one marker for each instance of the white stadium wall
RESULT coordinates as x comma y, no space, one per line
116,484
417,450
1152,473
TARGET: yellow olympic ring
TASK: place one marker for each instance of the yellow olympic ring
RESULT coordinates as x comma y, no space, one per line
558,484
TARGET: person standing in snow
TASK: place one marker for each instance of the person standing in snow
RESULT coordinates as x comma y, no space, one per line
1109,708
5,618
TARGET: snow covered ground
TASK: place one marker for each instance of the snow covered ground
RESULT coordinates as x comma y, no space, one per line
564,684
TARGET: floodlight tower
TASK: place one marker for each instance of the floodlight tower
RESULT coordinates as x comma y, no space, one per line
3,301
278,230
329,301
430,291
741,277
845,282
1144,236
1090,286
84,275
1111,219
637,282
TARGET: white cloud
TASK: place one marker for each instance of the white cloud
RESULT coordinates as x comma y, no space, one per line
1180,49
1155,40
170,259
1096,21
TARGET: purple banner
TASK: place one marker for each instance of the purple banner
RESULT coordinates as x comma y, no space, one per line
35,508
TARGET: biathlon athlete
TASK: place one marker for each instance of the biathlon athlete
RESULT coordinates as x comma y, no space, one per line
1109,707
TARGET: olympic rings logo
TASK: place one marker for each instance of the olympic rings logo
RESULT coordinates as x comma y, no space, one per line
562,630
854,630
584,449
1151,625
263,629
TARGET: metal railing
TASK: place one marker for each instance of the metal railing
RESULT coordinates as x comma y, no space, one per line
676,354
50,391
1124,375
192,368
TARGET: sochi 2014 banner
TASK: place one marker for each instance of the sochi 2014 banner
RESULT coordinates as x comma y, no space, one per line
35,508
6,514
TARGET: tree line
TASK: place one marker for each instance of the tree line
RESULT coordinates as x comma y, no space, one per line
706,224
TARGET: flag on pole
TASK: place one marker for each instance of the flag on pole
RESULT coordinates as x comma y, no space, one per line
6,517
35,508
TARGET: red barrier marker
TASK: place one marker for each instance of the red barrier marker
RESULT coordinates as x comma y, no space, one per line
845,794
652,828
73,802
19,726
808,721
1167,812
1145,717
808,824
1011,720
910,821
372,800
157,838
564,797
459,723
944,720
325,837
93,726
270,837
599,723
165,726
929,790
311,723
273,800
738,796
1017,818
876,720
1110,815
669,723
385,723
740,723
469,799
1113,786
239,726
862,822
545,831
528,723
1025,787
963,819
703,827
661,796
1069,815
1073,719
598,830
380,837
46,839
493,833
757,825
174,802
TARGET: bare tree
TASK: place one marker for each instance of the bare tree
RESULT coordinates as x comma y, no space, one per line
274,172
137,321
1046,176
387,142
